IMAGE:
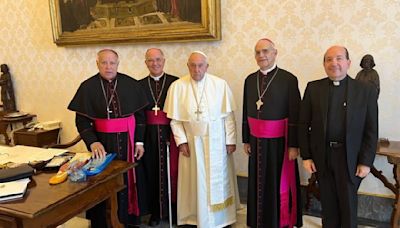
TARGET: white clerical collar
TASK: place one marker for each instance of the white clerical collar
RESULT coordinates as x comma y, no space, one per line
157,78
338,82
268,70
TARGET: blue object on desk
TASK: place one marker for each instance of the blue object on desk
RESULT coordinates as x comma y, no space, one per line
95,166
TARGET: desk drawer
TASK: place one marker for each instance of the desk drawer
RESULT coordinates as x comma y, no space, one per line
38,137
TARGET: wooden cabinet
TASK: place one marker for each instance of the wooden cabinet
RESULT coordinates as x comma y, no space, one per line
7,122
38,137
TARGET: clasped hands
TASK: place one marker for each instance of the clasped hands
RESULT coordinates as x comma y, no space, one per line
184,149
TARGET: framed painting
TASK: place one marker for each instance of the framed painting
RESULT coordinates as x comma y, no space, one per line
81,22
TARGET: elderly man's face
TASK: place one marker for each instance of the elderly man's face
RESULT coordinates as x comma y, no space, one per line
107,63
336,63
155,62
198,66
265,54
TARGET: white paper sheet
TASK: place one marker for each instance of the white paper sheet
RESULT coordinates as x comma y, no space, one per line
25,154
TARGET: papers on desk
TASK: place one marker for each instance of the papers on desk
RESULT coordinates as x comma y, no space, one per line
13,190
26,154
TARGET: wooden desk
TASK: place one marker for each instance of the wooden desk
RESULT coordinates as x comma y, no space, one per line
37,137
47,205
392,152
5,122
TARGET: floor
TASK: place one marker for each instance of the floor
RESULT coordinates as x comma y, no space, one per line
309,222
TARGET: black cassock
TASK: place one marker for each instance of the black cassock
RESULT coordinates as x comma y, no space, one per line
155,156
90,102
281,100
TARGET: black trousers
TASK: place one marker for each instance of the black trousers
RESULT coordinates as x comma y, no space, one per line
338,192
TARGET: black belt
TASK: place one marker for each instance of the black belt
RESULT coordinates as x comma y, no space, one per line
335,145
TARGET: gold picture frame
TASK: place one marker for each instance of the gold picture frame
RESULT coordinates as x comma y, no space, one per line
134,21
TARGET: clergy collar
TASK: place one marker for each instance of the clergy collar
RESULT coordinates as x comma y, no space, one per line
156,78
265,72
338,82
109,81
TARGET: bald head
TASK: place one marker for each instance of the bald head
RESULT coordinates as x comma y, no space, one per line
265,53
153,51
107,51
107,63
338,47
336,62
154,60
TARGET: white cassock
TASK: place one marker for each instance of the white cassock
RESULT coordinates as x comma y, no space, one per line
207,188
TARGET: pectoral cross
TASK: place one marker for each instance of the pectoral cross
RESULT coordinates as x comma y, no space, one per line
155,109
259,103
198,112
108,112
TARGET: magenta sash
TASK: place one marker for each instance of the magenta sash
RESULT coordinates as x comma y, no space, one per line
161,119
126,124
275,129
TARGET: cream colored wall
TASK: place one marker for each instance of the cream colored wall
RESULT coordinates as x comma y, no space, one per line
46,76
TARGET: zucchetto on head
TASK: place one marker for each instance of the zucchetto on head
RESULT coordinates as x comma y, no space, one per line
201,53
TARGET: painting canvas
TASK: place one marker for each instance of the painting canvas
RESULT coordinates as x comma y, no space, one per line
78,22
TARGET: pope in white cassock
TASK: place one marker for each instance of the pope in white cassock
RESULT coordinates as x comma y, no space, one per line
201,107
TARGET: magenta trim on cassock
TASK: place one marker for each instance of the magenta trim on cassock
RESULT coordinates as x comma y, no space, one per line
159,119
117,125
162,119
275,129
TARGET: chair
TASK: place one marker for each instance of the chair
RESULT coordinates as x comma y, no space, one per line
68,144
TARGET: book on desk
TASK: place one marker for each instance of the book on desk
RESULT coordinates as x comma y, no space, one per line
13,190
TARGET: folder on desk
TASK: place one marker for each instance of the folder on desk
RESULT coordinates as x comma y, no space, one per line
16,173
13,190
96,166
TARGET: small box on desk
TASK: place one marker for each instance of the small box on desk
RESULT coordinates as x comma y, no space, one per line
37,137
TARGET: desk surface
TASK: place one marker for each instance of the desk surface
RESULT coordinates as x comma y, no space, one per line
393,149
17,119
43,203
